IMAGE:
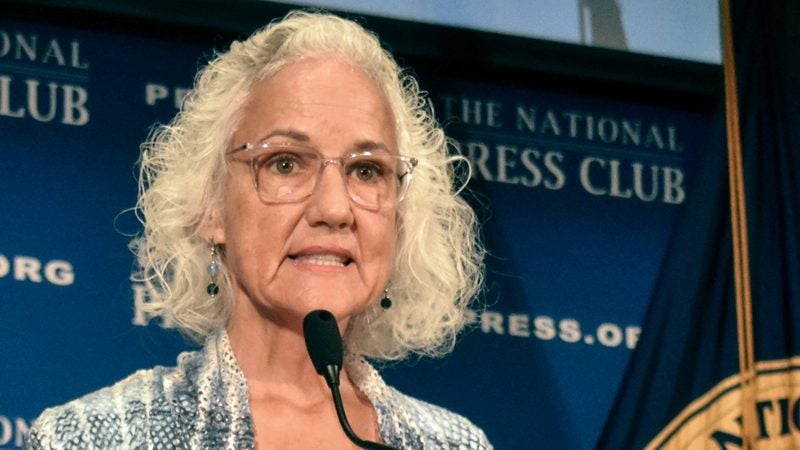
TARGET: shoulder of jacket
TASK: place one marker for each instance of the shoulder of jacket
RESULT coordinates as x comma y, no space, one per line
437,427
97,414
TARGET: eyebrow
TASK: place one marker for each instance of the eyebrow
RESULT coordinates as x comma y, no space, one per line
299,136
290,133
365,145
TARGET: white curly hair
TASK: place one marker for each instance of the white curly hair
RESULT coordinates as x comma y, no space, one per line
438,265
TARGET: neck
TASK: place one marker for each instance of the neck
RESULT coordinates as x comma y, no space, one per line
274,360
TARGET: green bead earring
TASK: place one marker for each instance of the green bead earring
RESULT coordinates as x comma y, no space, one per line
213,269
386,302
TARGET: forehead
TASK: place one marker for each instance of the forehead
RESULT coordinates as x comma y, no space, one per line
324,98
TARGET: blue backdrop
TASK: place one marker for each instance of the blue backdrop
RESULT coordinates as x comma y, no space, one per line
578,193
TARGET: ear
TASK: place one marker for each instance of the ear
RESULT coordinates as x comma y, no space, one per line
212,227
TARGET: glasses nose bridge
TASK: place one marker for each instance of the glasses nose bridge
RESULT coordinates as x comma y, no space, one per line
325,162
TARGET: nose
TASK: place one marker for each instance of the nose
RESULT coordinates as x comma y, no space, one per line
330,204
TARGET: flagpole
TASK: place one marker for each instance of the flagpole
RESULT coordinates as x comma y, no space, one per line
741,259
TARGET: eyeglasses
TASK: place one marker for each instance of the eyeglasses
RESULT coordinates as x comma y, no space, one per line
288,173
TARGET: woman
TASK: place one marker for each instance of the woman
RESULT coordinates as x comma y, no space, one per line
285,186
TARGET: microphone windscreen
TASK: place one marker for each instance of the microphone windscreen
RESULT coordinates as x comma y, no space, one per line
323,342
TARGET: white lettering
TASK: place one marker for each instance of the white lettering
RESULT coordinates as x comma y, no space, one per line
526,119
508,164
5,266
470,111
141,297
550,124
638,183
473,112
609,335
672,138
518,325
5,99
75,112
615,181
22,431
586,181
608,130
33,100
554,169
5,44
493,115
590,127
492,321
180,96
533,169
504,163
478,154
673,186
671,182
59,273
573,118
6,430
569,330
54,51
155,92
632,336
544,328
17,430
75,57
27,268
26,48
74,100
654,138
631,133
143,312
472,316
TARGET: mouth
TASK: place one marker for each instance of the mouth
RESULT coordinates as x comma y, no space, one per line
322,259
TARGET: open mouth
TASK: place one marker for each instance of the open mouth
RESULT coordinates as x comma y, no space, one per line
322,260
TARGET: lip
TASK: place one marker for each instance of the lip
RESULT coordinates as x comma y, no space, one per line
324,257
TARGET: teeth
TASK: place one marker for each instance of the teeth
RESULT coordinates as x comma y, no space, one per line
323,260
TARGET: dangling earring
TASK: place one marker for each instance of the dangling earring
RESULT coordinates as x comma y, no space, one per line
213,269
386,302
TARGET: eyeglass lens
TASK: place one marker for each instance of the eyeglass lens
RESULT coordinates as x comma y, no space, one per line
372,179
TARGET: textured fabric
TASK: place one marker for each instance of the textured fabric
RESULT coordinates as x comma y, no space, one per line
203,404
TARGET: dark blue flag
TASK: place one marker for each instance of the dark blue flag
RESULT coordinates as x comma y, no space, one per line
683,387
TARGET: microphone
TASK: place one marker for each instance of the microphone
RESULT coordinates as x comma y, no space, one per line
324,345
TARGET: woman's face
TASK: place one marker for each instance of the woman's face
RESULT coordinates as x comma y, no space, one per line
324,252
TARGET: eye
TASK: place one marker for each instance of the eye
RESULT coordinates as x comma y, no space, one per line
367,171
284,163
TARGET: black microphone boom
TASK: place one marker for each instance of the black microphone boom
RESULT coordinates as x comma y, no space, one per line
324,345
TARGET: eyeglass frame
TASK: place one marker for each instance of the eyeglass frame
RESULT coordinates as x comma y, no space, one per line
410,163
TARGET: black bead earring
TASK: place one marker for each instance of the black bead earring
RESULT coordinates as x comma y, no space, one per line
386,302
213,269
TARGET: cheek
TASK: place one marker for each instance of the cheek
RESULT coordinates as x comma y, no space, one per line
383,239
255,234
